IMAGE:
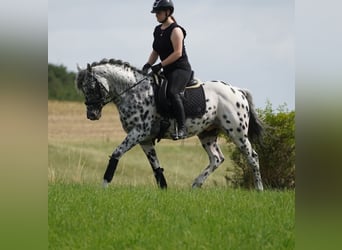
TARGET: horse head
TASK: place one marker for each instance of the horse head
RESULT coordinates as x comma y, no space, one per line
96,92
106,81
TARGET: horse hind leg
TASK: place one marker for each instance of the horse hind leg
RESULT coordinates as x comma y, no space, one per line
209,143
252,159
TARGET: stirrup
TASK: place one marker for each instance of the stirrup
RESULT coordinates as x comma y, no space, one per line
179,134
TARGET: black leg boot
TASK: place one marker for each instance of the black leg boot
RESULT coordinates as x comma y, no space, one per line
177,105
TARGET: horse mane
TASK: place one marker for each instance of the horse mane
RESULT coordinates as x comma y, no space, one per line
115,62
82,74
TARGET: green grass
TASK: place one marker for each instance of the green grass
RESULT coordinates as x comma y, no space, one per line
85,216
134,214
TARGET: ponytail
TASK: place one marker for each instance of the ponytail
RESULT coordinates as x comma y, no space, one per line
173,19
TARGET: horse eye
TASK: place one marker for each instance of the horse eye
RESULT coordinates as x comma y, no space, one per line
84,89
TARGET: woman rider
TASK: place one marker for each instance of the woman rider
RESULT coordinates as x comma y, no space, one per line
168,45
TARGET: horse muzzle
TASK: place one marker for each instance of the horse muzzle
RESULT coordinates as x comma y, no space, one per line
93,114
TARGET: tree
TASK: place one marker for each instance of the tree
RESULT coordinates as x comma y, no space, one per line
61,84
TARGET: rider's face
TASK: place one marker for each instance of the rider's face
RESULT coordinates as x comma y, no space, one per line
161,15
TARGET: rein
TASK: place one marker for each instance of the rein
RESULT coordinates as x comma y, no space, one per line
128,89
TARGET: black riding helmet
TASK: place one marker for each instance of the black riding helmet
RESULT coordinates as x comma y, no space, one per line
162,5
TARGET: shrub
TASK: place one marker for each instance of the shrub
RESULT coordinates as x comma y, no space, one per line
276,153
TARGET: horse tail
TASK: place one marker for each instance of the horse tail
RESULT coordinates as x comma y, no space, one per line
256,127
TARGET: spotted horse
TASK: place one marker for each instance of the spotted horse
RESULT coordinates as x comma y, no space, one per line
228,109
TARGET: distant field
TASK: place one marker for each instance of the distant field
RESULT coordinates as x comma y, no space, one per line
133,213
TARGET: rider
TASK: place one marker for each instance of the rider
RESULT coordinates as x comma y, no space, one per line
168,45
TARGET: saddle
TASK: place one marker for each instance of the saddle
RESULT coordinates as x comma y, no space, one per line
193,97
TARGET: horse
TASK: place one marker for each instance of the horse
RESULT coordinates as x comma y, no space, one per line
228,109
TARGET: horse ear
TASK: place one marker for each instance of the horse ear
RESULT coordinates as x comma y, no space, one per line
78,67
89,68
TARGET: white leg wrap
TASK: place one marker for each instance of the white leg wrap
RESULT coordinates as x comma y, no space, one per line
105,183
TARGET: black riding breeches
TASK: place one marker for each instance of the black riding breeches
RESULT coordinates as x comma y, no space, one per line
177,81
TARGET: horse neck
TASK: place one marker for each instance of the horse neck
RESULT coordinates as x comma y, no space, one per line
118,78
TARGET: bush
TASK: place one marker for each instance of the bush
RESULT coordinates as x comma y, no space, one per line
276,153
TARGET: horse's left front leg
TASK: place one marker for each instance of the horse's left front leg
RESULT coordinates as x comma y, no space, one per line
130,141
153,159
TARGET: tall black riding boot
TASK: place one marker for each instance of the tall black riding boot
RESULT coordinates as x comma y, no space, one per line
177,105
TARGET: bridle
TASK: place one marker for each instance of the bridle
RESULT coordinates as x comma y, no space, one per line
102,100
97,97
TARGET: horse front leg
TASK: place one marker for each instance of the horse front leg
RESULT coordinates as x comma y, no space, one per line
151,155
130,141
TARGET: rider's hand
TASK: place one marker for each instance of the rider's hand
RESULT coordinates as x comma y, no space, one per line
156,68
146,67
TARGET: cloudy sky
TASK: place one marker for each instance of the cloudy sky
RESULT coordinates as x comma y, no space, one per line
247,43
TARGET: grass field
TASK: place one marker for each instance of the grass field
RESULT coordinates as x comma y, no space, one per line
88,217
132,213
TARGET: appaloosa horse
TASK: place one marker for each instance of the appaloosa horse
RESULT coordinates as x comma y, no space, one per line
227,108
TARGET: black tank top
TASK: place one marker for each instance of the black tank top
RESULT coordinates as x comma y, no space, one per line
163,46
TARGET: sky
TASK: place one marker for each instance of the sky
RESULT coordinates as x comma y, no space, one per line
247,43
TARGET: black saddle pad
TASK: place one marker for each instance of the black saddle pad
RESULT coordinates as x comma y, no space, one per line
193,99
194,102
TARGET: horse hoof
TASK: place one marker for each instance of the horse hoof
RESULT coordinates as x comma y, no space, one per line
105,184
196,186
